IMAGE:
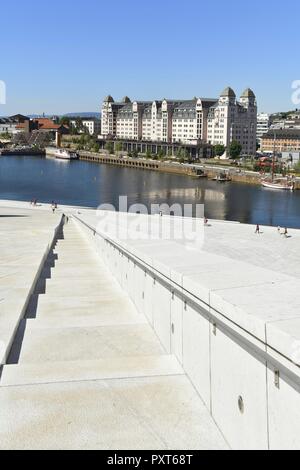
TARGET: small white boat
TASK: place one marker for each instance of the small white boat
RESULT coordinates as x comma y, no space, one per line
64,154
279,184
222,178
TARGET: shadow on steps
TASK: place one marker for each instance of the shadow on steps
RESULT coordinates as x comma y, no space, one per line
31,311
15,351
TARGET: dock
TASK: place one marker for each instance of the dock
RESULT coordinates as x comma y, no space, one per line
193,170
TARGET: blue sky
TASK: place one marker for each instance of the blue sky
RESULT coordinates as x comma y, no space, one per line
59,57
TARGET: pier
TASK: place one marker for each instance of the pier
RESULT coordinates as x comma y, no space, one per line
140,342
194,170
22,152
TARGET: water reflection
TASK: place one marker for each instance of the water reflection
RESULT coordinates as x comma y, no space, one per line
89,184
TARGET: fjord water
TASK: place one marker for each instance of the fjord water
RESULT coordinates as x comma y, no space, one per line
89,184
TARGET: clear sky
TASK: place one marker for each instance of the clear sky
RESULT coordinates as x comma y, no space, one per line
65,56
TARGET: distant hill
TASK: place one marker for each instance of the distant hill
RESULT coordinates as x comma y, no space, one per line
83,115
285,114
70,115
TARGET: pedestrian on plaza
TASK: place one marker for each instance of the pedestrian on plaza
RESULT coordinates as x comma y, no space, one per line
257,231
286,232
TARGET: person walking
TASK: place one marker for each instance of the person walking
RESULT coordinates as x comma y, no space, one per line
286,232
257,231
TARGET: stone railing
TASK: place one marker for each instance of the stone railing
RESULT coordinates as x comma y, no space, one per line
251,390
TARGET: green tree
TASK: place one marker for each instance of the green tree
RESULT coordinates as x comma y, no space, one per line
183,153
161,154
297,167
119,146
109,146
235,149
219,150
148,154
79,126
134,154
64,120
5,136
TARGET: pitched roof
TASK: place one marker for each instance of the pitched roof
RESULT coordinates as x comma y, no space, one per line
248,93
109,99
43,124
228,92
282,134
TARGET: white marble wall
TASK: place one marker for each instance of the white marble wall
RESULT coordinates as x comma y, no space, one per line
232,370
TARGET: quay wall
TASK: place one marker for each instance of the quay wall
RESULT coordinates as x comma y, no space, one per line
22,153
136,163
251,391
235,175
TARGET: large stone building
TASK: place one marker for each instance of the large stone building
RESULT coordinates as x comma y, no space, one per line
281,140
230,120
196,121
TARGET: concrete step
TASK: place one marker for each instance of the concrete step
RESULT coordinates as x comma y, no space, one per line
81,244
162,412
72,318
117,303
62,271
80,287
38,345
45,303
105,311
73,249
100,369
77,259
94,265
68,236
75,254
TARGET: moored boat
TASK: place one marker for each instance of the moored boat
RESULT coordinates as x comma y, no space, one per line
287,184
64,154
279,184
222,178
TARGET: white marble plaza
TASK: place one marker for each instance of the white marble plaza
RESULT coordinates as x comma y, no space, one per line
87,370
148,343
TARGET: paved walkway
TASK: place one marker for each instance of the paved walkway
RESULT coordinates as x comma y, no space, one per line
87,371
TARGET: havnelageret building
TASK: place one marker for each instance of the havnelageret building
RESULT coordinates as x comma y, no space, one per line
196,121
